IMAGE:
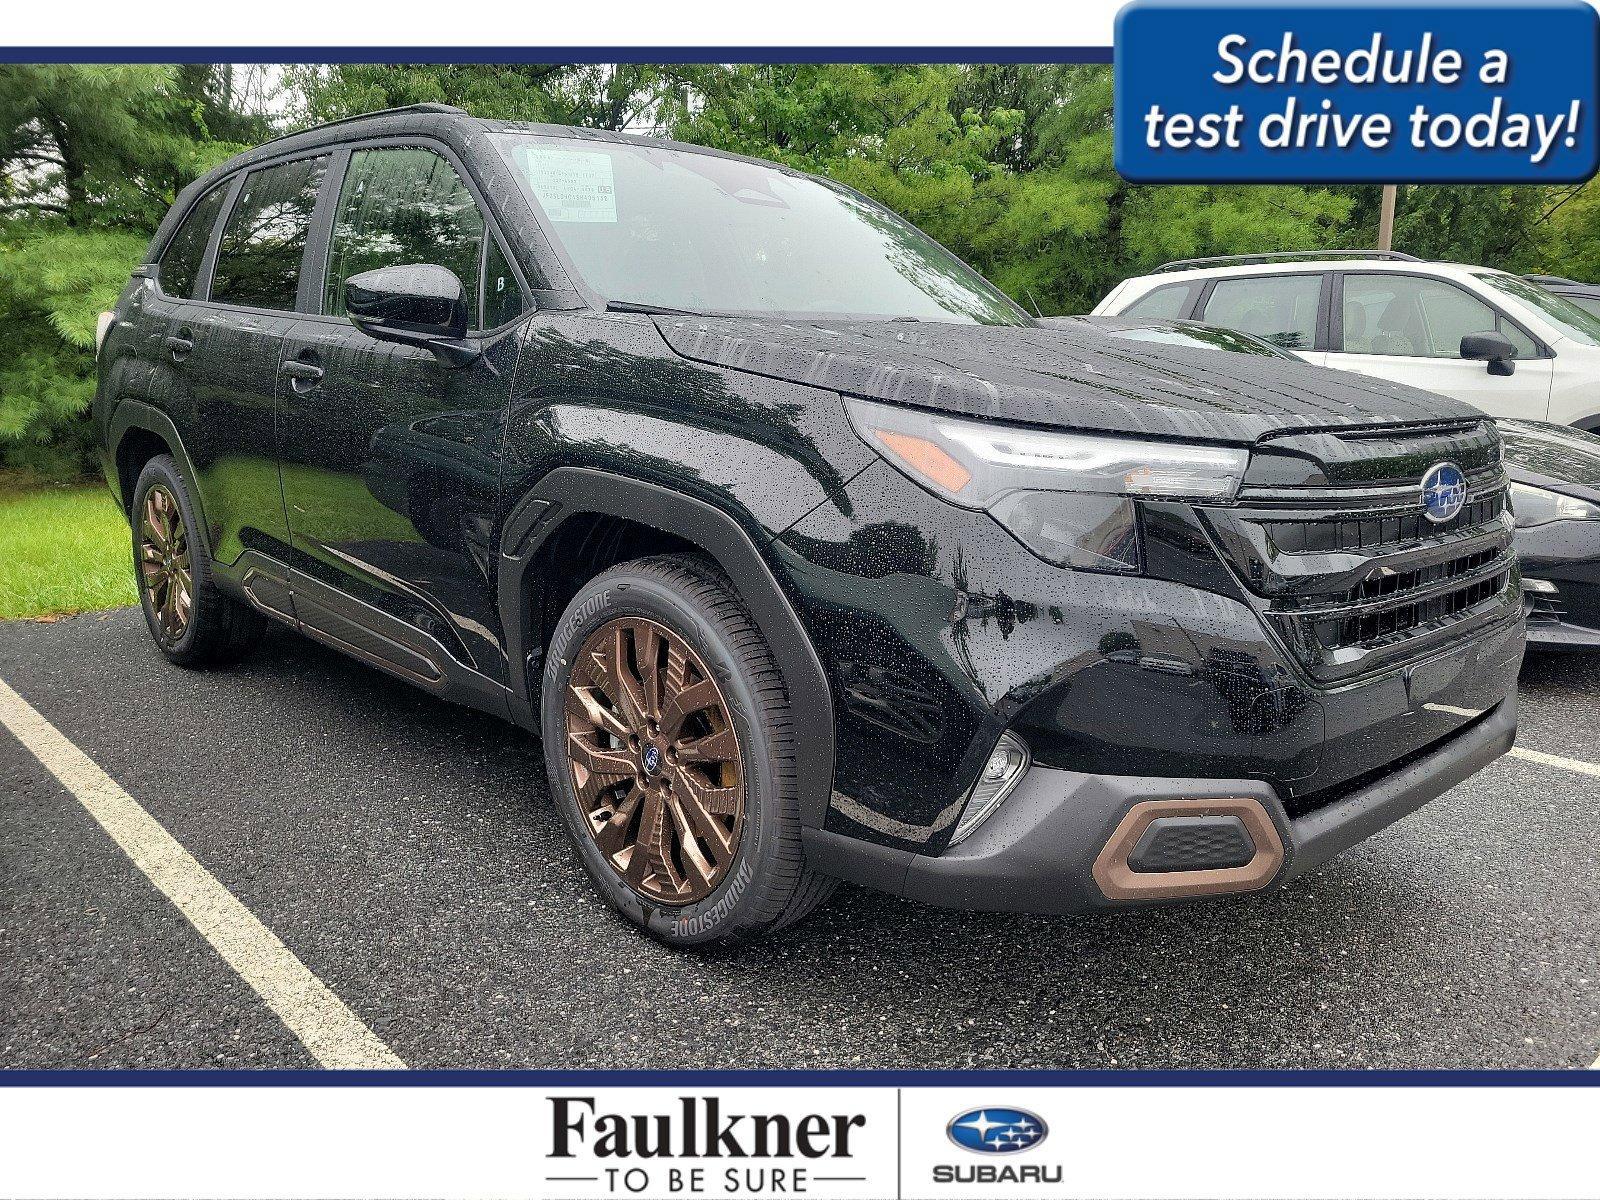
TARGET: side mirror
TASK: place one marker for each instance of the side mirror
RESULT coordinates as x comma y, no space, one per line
1494,348
422,305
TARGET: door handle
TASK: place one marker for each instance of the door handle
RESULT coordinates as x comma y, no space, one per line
179,345
303,373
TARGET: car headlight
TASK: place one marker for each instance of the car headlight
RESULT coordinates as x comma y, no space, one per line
1537,506
1068,497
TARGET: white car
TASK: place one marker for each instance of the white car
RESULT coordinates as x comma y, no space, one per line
1491,339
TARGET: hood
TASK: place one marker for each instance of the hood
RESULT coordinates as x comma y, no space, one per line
1064,376
1555,457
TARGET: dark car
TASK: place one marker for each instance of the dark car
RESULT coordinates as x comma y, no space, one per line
1585,295
806,552
1555,490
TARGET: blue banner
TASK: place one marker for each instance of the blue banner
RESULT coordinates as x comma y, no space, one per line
1357,92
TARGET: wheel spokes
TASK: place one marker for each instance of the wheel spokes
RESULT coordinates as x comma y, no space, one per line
164,567
656,765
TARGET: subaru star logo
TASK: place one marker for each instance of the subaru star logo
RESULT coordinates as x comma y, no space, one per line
652,759
1444,491
997,1130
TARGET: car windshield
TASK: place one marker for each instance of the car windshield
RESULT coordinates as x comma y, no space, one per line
699,233
1566,316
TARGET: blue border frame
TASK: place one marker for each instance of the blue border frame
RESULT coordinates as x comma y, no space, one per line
565,1079
551,54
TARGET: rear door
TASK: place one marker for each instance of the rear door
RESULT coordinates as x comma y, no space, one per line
1408,328
237,334
390,456
169,325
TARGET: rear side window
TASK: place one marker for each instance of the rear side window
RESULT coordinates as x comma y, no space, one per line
258,263
1281,309
402,207
180,261
1164,304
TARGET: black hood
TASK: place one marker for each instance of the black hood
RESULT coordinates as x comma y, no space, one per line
1555,457
1060,376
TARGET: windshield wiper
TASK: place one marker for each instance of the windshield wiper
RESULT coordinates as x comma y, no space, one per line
654,310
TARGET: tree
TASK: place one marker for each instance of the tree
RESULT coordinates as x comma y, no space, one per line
1571,242
1010,165
90,160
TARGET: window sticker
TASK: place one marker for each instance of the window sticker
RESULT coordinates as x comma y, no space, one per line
572,185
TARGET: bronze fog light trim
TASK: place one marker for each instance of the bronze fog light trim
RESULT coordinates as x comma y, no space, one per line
1118,881
655,761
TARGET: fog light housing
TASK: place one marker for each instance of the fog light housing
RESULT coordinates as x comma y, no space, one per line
1002,771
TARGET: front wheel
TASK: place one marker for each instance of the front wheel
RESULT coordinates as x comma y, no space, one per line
670,751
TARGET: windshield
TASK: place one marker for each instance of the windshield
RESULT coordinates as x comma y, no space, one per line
1566,316
698,233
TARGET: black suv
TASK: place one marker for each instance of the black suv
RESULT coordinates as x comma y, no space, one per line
806,552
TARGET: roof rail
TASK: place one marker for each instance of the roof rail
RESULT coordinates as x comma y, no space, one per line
429,107
1185,264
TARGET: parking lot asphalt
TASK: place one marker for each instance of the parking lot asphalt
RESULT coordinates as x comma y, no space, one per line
405,850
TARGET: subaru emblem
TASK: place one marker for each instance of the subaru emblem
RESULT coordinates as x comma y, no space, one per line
997,1130
1444,491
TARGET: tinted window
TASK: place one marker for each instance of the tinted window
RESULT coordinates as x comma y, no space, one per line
1281,309
180,261
258,263
1410,316
402,207
699,232
502,298
1164,304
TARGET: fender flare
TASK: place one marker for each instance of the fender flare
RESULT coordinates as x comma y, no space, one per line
575,491
135,414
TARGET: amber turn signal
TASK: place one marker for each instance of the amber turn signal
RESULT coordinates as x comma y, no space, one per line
926,459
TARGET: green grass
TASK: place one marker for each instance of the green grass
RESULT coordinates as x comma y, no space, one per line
64,548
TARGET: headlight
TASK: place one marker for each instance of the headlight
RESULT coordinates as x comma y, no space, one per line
1068,497
1536,506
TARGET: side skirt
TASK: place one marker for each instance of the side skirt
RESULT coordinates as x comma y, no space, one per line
353,627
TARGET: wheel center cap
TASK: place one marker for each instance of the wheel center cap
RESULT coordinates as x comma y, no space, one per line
651,759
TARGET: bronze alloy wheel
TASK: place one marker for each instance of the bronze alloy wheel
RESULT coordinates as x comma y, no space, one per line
164,570
655,761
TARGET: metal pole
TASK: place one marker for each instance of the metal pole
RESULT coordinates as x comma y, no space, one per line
1386,218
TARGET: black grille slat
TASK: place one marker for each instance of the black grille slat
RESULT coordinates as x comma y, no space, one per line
1343,535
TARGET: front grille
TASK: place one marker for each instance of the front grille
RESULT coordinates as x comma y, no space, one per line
1376,533
1354,578
1377,628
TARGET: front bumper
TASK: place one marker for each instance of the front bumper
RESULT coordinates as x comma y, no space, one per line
1039,852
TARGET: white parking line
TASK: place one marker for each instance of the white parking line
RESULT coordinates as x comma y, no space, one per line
1539,756
1556,760
333,1034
